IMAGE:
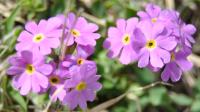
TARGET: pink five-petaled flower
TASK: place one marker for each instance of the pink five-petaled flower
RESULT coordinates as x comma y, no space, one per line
56,82
30,72
80,31
119,41
80,58
186,31
178,64
40,38
153,43
152,13
83,86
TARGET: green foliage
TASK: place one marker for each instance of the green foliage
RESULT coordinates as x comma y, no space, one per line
157,95
9,22
19,99
181,99
195,106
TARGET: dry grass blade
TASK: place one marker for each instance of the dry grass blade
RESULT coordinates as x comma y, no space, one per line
53,96
194,59
108,103
113,101
170,4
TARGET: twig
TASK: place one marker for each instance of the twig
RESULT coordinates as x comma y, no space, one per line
108,103
64,48
63,31
111,102
53,96
152,85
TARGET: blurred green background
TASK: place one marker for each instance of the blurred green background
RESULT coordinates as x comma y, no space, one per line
184,96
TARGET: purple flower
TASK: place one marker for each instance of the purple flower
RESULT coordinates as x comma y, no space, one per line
85,50
153,43
172,21
40,38
119,41
177,65
82,32
56,83
170,18
185,34
30,72
152,13
83,86
74,62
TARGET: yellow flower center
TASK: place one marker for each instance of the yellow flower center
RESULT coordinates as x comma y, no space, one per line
80,61
38,38
54,80
81,86
126,39
75,33
153,20
172,56
151,44
30,69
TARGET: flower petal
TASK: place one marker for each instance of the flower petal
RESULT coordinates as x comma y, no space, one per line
25,36
144,58
121,25
45,69
35,85
155,60
15,70
128,55
82,102
26,87
167,43
31,27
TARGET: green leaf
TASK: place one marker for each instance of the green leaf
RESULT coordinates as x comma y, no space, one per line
156,95
195,106
19,99
108,84
9,22
120,109
131,107
134,87
197,85
181,99
144,101
145,76
39,100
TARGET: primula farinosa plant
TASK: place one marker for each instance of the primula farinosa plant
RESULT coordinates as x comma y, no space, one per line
158,40
37,68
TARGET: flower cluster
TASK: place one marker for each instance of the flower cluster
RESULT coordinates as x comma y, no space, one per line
158,39
36,67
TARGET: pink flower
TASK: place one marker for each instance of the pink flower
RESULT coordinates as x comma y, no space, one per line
83,86
120,40
40,38
80,58
81,32
56,82
177,65
153,43
30,72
